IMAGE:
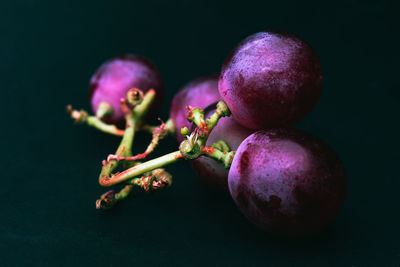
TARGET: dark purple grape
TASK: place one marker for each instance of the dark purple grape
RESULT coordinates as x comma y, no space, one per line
287,182
270,80
199,93
116,76
213,172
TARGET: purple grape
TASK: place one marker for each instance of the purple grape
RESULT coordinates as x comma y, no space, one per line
199,93
287,182
212,172
116,76
270,80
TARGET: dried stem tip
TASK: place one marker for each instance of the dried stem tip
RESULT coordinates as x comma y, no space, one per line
134,96
107,200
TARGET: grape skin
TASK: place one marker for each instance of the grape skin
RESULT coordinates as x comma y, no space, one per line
270,80
115,77
199,93
209,170
287,182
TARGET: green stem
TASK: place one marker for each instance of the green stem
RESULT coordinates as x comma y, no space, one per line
223,156
81,116
196,116
138,170
124,193
221,111
125,147
198,138
104,109
104,127
158,133
221,145
141,110
169,127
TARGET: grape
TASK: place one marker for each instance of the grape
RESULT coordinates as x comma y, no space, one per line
270,80
199,93
287,182
116,76
212,172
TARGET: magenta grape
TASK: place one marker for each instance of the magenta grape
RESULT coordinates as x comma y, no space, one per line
198,93
287,182
115,77
270,80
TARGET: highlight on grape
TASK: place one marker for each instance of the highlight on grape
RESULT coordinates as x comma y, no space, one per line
234,129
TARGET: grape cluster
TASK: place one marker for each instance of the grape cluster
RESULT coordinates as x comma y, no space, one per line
286,181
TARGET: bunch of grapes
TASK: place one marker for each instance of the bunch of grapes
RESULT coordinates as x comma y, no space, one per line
235,130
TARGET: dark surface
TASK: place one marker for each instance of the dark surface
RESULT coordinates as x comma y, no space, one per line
49,50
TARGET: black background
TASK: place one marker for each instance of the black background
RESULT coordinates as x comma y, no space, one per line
49,50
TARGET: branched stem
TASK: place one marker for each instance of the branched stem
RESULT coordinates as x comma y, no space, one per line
81,116
191,148
158,133
132,116
199,136
149,175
